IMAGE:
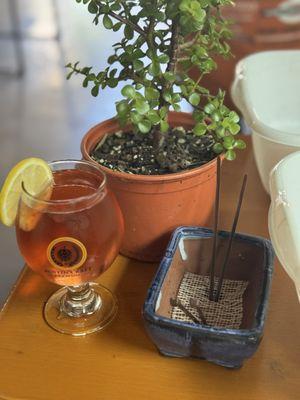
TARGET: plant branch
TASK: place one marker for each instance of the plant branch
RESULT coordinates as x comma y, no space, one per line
149,34
128,22
198,81
159,138
185,45
173,46
199,108
182,59
137,78
78,71
172,61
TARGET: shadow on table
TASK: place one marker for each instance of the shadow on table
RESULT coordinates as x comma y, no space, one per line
131,289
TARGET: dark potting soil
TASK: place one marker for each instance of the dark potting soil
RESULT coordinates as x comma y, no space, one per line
134,152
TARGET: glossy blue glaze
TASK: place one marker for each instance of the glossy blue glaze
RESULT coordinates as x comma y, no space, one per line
226,347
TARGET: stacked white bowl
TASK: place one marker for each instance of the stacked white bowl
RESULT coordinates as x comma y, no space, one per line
266,89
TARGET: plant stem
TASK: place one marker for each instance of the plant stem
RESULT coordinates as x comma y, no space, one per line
190,43
135,77
159,137
128,22
198,81
173,46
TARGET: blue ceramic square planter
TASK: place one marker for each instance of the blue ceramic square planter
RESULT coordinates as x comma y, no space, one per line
189,250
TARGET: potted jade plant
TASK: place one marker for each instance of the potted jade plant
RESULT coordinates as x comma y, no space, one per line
160,162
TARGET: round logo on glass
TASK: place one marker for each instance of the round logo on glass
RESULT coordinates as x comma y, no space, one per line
66,253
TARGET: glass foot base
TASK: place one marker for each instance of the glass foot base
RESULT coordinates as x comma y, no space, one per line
105,312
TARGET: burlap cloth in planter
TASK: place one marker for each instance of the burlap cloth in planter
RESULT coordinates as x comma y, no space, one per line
226,313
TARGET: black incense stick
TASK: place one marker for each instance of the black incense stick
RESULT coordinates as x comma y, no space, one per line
235,221
216,219
177,303
196,304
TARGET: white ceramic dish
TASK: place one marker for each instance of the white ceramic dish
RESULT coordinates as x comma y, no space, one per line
267,91
284,215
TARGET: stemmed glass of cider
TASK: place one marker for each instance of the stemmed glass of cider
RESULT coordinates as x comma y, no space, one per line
70,234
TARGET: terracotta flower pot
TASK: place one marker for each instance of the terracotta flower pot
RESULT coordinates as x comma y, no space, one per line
153,206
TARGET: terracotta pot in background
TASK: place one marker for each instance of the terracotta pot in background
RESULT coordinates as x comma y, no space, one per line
154,205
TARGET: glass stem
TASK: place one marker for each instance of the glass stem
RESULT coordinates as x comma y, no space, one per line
79,301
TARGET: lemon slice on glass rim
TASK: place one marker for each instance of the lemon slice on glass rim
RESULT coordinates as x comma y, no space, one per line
36,176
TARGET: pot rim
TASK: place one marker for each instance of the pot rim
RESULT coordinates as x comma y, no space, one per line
147,178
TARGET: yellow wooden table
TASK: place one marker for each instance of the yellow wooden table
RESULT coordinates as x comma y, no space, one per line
121,362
